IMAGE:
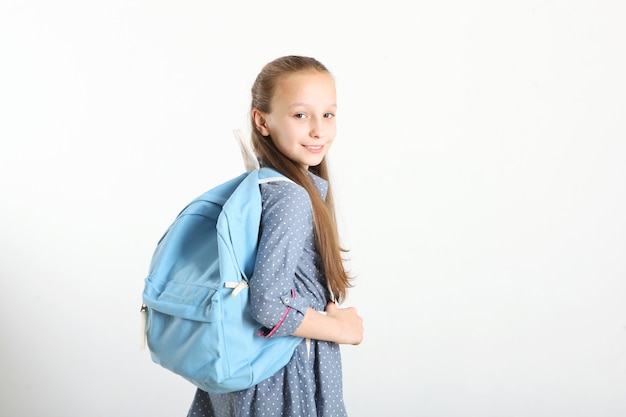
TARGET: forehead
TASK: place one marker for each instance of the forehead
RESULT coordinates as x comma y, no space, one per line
305,87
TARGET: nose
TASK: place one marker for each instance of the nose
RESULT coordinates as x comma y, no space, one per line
317,128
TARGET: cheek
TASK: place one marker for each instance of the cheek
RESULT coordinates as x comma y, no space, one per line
290,135
331,132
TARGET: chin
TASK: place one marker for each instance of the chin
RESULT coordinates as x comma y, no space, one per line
314,163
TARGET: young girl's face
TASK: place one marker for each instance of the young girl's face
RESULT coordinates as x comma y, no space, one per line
302,120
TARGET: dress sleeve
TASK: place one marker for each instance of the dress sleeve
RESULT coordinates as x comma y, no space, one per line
286,234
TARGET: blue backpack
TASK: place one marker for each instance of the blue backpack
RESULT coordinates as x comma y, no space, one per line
198,322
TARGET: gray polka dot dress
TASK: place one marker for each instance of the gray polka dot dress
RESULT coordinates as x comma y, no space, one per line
287,280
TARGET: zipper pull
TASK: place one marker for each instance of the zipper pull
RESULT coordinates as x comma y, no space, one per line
143,312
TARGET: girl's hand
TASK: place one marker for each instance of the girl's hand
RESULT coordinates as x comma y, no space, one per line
350,324
339,325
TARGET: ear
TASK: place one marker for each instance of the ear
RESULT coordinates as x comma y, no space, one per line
260,122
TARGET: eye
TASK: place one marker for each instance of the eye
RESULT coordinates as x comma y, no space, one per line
300,116
329,115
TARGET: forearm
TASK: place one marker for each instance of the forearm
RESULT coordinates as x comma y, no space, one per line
317,325
342,326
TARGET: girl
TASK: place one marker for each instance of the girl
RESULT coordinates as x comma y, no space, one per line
299,271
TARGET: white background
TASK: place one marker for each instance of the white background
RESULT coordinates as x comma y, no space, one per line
479,168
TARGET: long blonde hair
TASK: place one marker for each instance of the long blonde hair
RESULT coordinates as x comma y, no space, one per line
324,219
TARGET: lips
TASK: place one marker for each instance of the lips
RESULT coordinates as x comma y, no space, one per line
314,148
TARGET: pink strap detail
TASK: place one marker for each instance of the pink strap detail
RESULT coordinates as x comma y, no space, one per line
282,319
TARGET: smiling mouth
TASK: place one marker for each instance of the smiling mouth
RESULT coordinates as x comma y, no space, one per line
314,149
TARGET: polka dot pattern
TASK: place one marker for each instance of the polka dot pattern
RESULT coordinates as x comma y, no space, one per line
287,279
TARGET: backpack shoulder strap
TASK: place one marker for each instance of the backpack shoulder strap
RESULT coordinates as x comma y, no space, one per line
270,175
239,221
